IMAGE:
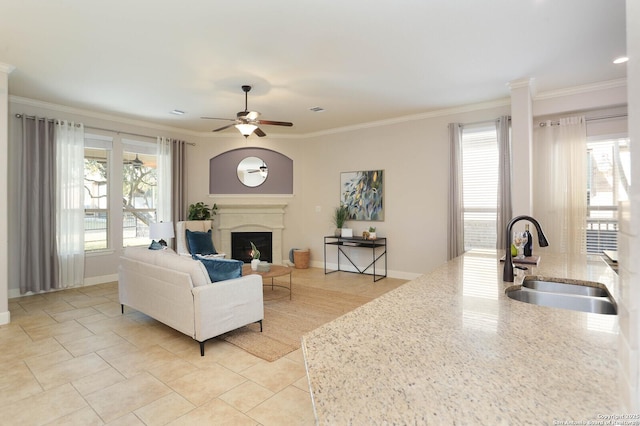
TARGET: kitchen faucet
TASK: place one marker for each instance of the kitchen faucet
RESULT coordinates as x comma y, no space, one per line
508,260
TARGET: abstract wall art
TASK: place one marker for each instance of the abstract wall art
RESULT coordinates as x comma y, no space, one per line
362,193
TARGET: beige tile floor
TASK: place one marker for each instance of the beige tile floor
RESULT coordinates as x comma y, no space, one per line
71,358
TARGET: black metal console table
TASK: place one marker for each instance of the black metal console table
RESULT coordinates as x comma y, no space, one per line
359,242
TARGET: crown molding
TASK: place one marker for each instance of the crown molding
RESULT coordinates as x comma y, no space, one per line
100,115
523,82
611,84
586,88
6,68
414,117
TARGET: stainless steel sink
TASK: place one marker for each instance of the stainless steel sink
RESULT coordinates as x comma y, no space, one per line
564,288
578,297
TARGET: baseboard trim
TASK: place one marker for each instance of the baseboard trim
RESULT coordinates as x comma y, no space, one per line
103,279
349,268
5,317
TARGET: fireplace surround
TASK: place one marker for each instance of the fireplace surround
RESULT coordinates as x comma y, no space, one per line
254,217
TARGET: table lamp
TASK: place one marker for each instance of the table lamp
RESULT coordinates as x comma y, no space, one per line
161,231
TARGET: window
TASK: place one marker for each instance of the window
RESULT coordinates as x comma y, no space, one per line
120,191
97,154
480,186
608,168
139,191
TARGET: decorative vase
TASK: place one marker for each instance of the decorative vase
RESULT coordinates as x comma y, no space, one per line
337,232
372,235
254,264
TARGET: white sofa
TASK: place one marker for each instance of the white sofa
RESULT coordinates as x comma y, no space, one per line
177,291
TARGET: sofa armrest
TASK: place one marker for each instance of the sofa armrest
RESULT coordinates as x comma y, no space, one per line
226,305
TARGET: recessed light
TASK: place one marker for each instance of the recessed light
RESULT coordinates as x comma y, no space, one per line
316,109
177,112
620,60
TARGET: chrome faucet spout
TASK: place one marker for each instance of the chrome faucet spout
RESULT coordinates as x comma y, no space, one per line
507,274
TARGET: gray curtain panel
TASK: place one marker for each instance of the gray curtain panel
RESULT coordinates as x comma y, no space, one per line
505,212
455,245
38,267
178,180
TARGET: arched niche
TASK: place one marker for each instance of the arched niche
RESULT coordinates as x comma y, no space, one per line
223,172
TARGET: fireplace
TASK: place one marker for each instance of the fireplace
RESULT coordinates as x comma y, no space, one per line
252,217
241,246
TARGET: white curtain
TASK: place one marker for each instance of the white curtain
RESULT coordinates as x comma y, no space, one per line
163,210
70,202
455,245
504,180
560,183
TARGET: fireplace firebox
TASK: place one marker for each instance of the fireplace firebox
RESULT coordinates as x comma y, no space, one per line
241,245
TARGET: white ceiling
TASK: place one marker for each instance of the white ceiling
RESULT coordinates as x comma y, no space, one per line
360,60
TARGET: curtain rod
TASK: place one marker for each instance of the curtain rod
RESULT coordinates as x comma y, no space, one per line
32,117
483,121
604,117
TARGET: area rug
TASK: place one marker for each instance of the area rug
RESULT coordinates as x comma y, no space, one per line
286,321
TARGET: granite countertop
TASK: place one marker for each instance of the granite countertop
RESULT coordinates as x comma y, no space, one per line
451,347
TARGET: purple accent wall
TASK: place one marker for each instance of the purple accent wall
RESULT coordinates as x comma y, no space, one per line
223,178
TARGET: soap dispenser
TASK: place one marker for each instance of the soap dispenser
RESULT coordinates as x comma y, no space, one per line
528,246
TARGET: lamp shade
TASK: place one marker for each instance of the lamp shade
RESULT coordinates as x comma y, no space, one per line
246,129
161,230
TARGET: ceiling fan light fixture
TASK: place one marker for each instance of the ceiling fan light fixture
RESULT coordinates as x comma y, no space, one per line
246,128
137,163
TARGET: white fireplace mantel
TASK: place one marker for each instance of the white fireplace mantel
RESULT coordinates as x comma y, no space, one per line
255,217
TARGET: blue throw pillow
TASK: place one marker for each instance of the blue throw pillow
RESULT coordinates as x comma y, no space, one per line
200,242
221,269
155,245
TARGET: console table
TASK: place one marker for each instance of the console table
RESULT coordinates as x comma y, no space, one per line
378,249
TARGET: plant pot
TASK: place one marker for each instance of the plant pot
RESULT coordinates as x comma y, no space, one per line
372,235
254,264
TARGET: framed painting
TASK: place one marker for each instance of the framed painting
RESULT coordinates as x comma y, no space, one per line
362,193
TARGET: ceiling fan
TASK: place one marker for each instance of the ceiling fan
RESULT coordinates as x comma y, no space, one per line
262,169
136,162
247,121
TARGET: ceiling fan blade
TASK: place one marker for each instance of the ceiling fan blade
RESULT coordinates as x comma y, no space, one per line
216,118
224,127
275,123
259,132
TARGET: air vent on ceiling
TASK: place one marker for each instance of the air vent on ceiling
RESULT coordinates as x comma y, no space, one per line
316,109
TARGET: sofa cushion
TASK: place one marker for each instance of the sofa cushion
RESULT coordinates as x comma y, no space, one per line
200,242
168,258
221,269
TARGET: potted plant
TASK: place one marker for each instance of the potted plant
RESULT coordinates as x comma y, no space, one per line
255,254
340,216
201,211
372,232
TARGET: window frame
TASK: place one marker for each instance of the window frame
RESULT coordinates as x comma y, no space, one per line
146,150
595,243
97,141
489,240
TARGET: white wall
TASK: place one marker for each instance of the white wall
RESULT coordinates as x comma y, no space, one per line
629,235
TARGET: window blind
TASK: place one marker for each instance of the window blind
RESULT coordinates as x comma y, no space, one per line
608,168
480,186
